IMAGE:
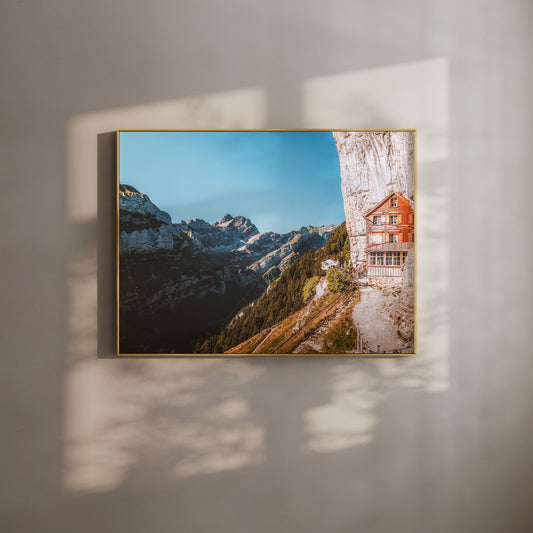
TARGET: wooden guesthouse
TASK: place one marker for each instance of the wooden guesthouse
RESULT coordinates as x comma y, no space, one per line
391,234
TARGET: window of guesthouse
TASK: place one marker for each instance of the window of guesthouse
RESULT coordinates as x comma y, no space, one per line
376,258
393,259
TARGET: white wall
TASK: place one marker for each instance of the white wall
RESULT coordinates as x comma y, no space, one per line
437,443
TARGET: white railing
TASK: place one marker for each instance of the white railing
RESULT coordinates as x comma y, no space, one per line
385,271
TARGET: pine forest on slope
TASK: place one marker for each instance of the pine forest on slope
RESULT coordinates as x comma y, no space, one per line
288,294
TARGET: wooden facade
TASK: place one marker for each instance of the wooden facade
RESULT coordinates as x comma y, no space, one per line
390,230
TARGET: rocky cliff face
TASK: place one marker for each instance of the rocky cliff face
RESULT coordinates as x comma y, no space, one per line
273,249
228,234
144,228
373,164
138,204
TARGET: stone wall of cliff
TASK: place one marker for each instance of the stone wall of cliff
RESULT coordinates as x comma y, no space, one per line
373,164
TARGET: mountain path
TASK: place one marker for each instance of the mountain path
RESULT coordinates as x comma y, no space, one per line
377,330
316,340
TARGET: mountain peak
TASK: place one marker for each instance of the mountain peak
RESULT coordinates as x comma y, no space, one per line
226,218
128,190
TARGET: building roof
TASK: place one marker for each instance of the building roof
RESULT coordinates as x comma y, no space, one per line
384,200
391,247
328,263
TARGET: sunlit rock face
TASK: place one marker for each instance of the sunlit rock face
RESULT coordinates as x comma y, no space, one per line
373,165
133,201
144,227
228,234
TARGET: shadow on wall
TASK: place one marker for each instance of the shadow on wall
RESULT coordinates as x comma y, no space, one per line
151,421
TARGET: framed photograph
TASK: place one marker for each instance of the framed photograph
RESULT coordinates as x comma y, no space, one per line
266,242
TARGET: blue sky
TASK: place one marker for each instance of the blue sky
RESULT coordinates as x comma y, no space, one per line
280,180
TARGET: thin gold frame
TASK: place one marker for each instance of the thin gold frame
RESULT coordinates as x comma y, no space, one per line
117,223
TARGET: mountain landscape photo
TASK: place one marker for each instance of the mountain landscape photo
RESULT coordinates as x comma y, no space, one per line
266,242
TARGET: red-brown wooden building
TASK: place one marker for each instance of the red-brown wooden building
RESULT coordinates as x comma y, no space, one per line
391,235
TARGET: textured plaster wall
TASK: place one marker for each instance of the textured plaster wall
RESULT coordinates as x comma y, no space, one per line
437,443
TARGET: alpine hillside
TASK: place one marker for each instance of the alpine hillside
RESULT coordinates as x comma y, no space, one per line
296,289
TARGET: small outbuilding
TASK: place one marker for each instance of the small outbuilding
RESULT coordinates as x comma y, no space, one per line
328,263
